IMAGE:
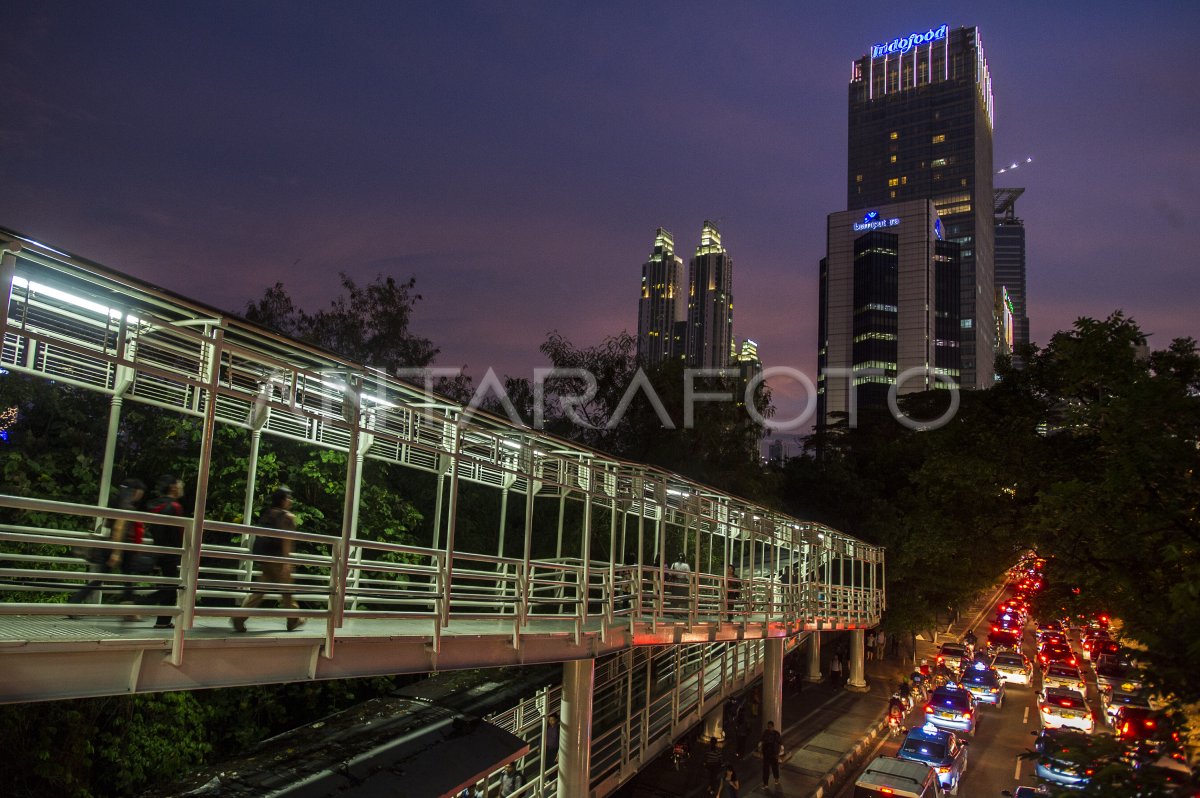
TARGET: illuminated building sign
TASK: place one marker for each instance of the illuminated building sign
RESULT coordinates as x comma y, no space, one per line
937,229
906,43
872,222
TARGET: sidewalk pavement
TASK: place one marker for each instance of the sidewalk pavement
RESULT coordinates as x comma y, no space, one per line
827,733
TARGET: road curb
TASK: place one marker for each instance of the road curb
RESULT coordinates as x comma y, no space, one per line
836,778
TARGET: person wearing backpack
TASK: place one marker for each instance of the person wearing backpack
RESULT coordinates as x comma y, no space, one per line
277,516
106,561
168,489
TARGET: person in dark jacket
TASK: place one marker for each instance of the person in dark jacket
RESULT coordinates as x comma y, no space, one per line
277,516
168,489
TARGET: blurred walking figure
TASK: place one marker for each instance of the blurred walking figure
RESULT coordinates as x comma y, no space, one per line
277,516
107,561
168,489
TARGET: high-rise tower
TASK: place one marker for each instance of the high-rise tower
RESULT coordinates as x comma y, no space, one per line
1010,262
663,304
921,128
889,308
710,303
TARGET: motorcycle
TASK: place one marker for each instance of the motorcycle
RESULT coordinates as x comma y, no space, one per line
680,754
895,721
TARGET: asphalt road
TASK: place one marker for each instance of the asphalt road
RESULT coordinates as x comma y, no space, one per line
993,762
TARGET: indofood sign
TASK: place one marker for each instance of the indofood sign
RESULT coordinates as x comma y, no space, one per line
906,43
872,222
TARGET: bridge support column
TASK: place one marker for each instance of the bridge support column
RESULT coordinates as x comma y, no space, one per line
814,658
574,750
857,681
772,702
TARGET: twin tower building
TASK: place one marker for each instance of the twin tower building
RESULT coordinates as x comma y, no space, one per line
913,292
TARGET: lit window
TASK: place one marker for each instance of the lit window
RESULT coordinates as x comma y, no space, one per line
893,135
893,159
893,194
938,162
904,180
894,181
858,178
939,138
962,182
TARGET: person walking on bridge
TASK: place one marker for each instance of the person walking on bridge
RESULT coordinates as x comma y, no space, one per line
277,516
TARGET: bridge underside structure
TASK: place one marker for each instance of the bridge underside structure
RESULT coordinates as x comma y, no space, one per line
451,538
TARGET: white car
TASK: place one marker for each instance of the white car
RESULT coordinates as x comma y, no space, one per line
1114,700
1059,675
1013,668
1061,708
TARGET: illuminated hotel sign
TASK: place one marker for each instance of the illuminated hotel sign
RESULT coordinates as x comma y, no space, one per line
872,222
903,45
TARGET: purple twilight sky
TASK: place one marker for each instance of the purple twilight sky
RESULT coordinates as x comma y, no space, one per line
516,158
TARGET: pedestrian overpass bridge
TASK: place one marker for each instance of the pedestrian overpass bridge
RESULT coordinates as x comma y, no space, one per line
577,568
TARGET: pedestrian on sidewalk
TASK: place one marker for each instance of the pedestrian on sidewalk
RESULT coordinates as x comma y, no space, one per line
835,671
771,747
880,643
714,765
870,644
741,729
729,784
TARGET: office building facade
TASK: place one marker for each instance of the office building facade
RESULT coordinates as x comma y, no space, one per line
710,303
920,128
1011,291
662,309
889,312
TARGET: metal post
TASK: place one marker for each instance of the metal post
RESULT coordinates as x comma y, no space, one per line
194,533
340,564
585,548
773,682
814,658
437,509
503,519
452,517
247,569
857,681
562,509
574,750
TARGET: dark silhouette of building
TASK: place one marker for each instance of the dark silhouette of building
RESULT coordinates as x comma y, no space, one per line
889,308
710,342
662,310
1010,268
920,127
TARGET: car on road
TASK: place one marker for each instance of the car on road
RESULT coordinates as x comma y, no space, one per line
941,750
1004,639
952,655
1013,667
892,777
984,683
1047,627
1061,708
1026,792
1056,652
1102,647
1054,764
1114,672
1114,701
1141,725
1065,676
952,707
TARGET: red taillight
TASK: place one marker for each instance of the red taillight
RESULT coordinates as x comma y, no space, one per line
1149,723
1072,661
967,714
928,709
886,791
1045,710
995,628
